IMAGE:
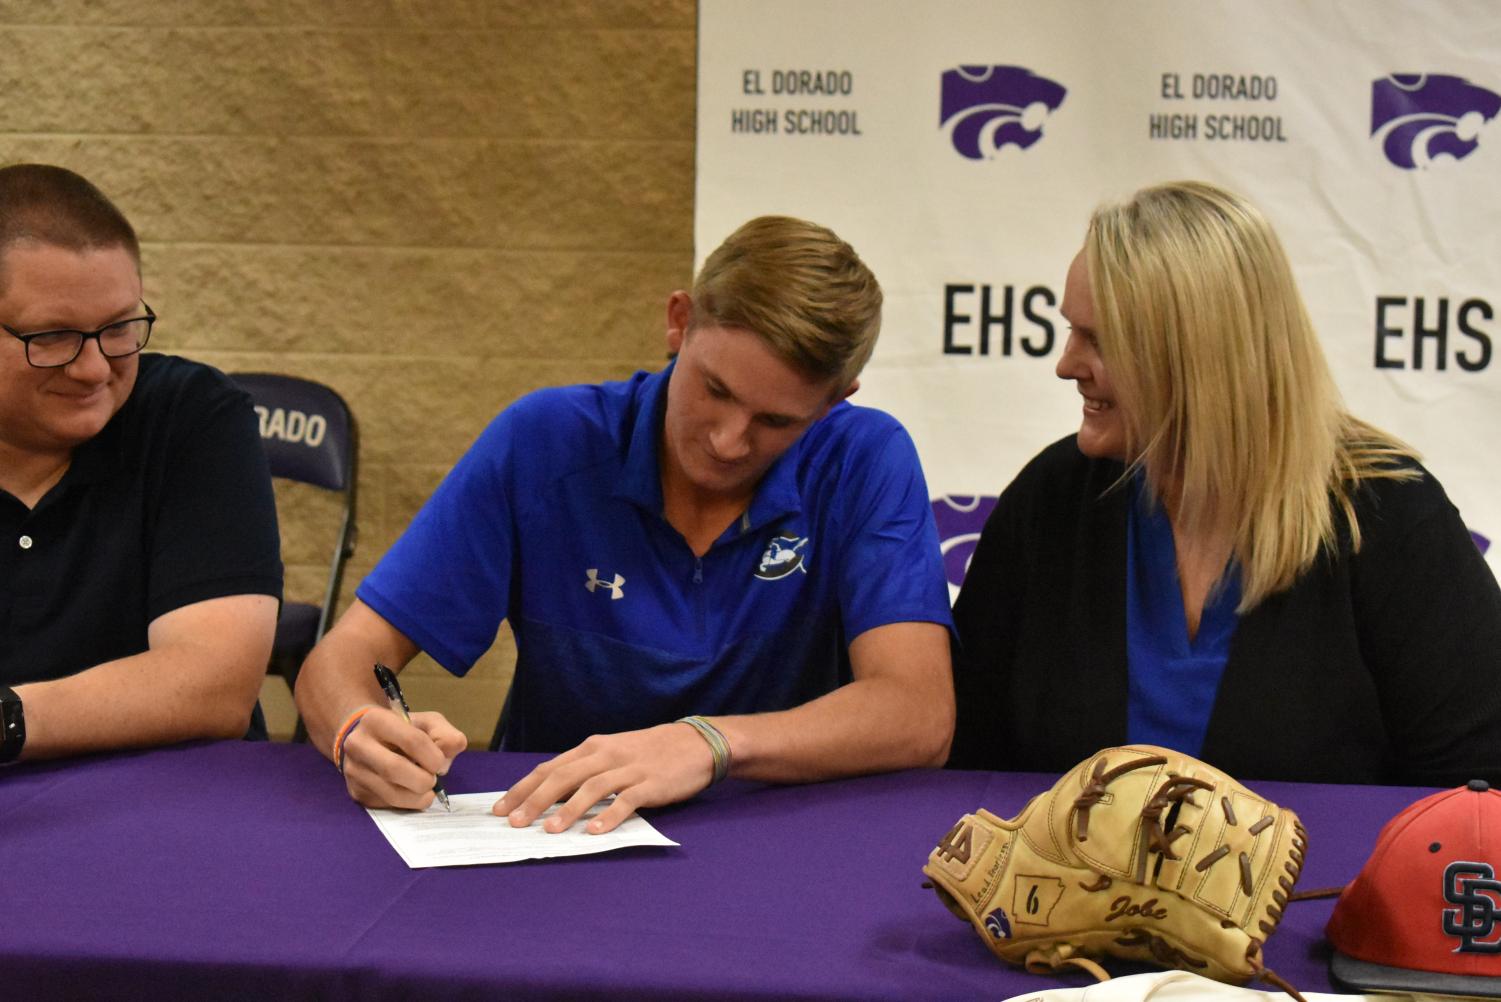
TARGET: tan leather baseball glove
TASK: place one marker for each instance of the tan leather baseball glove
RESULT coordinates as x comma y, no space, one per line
1138,852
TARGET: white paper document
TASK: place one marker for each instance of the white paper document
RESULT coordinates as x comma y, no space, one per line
471,834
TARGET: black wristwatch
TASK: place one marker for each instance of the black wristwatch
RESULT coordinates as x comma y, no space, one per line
12,725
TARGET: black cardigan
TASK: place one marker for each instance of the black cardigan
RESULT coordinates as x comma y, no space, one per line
1377,667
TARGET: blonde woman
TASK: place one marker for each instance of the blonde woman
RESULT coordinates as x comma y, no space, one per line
1222,560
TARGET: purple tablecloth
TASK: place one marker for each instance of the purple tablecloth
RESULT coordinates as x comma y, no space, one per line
233,870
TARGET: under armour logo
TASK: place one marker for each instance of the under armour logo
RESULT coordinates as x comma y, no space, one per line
617,587
1477,892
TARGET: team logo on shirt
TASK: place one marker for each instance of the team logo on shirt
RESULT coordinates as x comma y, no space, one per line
617,586
783,556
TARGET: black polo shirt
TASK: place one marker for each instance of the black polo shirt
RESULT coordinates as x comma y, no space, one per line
169,505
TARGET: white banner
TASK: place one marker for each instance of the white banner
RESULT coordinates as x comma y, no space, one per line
960,146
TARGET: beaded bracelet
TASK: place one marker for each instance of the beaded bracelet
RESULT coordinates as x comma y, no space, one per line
719,745
347,728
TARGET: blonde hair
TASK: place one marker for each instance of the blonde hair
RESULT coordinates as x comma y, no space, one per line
798,287
1228,399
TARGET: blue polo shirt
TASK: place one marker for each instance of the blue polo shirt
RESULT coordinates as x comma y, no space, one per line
553,521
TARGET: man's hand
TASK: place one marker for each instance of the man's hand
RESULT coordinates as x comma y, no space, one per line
391,763
647,768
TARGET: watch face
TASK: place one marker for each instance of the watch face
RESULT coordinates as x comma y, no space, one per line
12,725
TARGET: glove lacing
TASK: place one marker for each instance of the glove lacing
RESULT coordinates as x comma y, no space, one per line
1160,839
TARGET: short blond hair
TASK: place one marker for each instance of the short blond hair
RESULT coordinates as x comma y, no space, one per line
799,288
1226,389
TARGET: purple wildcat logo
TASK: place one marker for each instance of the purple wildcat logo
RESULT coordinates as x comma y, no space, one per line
1419,118
1481,543
984,108
998,925
960,520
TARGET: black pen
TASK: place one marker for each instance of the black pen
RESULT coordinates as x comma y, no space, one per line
392,688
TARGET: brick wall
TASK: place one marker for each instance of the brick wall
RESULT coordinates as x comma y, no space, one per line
431,206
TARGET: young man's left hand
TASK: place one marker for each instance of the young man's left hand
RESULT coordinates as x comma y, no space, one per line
646,768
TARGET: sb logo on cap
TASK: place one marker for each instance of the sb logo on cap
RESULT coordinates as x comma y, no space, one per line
1466,885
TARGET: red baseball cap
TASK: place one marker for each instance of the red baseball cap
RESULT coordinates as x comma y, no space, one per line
1424,915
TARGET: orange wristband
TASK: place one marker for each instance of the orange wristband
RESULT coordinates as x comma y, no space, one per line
350,723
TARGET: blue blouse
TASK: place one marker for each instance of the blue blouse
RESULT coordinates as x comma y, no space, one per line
1173,680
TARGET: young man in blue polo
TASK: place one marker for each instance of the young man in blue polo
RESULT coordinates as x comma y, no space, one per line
719,568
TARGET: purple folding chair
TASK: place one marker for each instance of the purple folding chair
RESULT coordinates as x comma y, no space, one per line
310,437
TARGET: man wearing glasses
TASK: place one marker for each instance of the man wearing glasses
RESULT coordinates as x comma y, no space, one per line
139,567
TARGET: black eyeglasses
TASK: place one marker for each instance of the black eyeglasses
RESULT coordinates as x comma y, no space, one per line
52,349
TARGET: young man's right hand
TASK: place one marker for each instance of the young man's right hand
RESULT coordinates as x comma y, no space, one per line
391,763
